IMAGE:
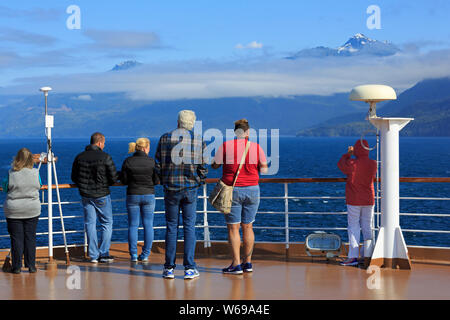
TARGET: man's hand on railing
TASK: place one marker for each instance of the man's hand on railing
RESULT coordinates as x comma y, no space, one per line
37,159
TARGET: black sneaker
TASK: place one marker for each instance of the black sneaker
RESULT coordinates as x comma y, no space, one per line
247,267
233,270
106,259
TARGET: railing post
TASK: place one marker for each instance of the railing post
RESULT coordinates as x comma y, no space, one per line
206,235
85,246
286,217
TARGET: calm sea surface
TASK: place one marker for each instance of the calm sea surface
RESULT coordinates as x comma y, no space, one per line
298,157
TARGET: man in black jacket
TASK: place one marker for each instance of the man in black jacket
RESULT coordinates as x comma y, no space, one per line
93,171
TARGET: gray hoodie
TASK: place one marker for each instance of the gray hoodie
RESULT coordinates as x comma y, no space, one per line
22,201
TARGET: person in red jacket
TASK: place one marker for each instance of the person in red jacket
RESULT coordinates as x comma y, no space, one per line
359,194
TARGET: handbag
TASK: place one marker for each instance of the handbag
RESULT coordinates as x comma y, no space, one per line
221,197
7,267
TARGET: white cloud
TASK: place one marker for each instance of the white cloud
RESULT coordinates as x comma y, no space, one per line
243,78
26,37
39,14
83,97
251,45
50,58
131,40
254,45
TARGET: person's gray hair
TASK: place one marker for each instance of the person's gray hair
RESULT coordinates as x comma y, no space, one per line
186,119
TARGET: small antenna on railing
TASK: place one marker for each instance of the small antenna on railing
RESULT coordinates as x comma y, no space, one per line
51,164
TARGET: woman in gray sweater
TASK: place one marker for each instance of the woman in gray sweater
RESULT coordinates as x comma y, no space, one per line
22,209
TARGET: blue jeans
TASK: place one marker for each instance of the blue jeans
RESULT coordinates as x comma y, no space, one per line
186,200
142,206
101,208
244,206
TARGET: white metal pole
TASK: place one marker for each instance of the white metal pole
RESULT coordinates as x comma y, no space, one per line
48,128
49,125
370,243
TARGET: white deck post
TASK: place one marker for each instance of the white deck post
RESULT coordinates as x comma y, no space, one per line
390,248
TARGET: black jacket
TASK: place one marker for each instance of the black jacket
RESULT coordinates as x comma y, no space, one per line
139,173
93,171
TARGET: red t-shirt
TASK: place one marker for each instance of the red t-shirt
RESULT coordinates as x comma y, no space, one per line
230,154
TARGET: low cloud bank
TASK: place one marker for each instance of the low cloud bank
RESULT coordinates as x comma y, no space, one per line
272,77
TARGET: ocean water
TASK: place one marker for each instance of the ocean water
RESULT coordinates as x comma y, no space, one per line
298,157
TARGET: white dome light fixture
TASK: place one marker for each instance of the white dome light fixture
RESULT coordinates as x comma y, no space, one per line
372,93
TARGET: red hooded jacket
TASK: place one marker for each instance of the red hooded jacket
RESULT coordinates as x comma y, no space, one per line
360,173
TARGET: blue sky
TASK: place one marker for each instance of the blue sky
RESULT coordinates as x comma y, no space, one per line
212,36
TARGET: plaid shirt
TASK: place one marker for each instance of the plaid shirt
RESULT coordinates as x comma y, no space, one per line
180,160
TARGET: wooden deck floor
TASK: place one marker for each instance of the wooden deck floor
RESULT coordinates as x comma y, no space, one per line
273,278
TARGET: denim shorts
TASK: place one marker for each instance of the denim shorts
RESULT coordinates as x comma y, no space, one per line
245,205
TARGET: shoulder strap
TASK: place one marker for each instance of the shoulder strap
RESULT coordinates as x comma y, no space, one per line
244,155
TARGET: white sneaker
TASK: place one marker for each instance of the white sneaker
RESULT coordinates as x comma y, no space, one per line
168,273
191,274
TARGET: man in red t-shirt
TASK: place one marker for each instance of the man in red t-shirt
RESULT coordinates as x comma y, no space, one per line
245,193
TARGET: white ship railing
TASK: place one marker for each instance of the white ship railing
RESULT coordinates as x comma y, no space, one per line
208,229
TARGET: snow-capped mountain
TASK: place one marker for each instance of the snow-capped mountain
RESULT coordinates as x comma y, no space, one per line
355,43
359,44
125,65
